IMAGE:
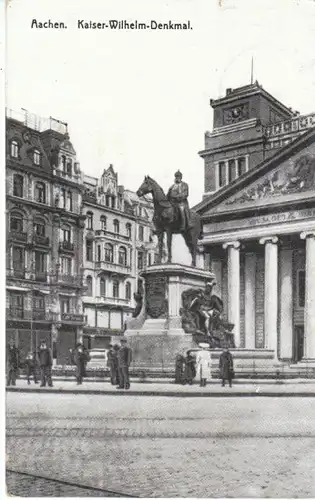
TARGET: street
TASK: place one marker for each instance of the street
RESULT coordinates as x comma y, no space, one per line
143,446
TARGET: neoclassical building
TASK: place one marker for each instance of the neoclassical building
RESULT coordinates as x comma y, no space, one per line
258,216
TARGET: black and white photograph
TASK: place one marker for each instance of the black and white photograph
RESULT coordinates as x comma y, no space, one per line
160,248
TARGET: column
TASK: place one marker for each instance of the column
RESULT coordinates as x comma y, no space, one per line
233,249
200,257
226,171
271,292
250,300
286,304
309,308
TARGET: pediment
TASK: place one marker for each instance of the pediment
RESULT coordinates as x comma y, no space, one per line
288,181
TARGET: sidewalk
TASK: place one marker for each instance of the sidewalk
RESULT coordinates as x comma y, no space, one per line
245,388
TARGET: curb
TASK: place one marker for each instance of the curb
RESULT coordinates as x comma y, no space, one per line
100,392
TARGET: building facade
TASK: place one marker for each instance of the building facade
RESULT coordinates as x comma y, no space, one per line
44,235
118,244
259,221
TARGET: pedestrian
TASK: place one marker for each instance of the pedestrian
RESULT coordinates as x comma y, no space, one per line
12,363
45,363
30,365
190,368
179,368
112,363
226,367
124,356
80,357
203,367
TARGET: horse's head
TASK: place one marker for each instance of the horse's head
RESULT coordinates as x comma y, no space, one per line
146,187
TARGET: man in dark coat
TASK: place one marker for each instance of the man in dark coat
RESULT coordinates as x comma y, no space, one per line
112,363
44,356
178,195
124,357
226,367
190,368
12,363
30,366
179,368
80,357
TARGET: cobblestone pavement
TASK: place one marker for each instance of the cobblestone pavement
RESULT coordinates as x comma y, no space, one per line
31,486
218,447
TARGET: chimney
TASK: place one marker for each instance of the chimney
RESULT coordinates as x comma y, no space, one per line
229,91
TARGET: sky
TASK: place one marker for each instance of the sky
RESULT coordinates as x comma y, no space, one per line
140,99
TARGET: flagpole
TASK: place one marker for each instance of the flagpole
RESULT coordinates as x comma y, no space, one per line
252,72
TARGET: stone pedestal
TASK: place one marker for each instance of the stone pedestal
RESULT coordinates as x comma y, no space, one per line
161,336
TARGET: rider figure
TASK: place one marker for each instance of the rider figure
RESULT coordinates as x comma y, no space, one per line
178,194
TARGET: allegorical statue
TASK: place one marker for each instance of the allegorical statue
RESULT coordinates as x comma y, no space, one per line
172,215
178,195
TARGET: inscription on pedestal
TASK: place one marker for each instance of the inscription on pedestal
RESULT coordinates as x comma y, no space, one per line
156,301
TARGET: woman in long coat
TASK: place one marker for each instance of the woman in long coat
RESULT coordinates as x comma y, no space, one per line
203,367
226,367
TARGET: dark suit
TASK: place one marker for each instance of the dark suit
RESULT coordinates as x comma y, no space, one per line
12,364
45,362
178,194
124,357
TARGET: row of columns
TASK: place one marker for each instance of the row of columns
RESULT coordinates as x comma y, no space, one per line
271,294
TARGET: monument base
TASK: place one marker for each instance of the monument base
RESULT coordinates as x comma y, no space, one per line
161,337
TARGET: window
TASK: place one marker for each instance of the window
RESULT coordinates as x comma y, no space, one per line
115,288
128,230
69,167
17,305
149,259
99,253
36,157
69,201
140,260
103,221
107,200
63,198
89,283
38,301
301,288
66,265
222,178
63,163
18,183
40,262
122,256
39,228
65,305
231,171
156,258
141,233
14,149
241,166
116,226
40,194
128,291
109,252
16,222
89,250
113,202
89,219
18,255
102,287
66,234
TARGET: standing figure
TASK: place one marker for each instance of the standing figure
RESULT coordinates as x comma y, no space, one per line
178,196
30,365
190,369
226,367
45,363
112,363
12,363
203,367
124,356
80,357
179,368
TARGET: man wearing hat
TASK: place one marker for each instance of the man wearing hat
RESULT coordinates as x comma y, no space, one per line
45,361
80,357
178,194
124,357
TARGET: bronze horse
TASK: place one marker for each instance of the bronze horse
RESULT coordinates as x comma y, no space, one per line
166,218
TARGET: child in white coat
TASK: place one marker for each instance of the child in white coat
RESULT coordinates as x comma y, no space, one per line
203,367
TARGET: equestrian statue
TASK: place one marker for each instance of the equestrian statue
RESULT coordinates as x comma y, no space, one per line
172,215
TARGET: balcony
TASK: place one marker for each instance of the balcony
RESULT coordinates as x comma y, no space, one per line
40,276
18,273
42,241
73,318
66,246
70,280
113,268
111,234
117,301
18,236
37,315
